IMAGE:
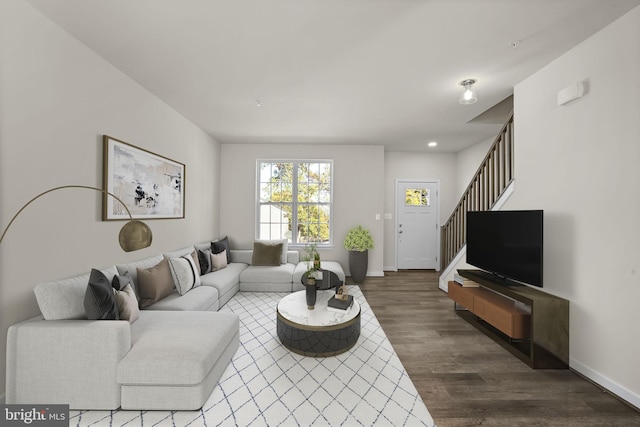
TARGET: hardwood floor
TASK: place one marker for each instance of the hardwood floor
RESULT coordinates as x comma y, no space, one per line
465,378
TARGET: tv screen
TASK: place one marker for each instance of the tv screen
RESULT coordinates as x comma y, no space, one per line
507,244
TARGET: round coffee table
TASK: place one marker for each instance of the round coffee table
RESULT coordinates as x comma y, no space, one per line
319,332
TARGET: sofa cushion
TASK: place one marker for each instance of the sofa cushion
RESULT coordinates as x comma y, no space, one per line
64,299
261,274
99,299
127,304
202,298
177,348
154,283
225,279
266,254
241,256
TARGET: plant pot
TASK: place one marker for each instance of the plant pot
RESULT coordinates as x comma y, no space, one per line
358,264
311,295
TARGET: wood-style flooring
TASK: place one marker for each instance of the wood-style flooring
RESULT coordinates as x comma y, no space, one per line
465,378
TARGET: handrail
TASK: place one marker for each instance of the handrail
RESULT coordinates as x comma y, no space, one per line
487,185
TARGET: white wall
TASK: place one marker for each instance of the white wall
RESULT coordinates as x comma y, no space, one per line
358,182
58,98
419,167
579,162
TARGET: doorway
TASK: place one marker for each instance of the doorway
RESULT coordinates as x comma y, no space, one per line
417,231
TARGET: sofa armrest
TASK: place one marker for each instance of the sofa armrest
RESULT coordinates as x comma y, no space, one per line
70,362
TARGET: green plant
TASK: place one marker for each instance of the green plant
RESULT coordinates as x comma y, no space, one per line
358,239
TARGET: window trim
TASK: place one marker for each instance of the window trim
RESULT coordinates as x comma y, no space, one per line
294,202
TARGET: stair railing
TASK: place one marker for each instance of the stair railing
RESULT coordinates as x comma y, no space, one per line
489,183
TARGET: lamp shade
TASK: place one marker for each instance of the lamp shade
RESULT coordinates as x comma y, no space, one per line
134,235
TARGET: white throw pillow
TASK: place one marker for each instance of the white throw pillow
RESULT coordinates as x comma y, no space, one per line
185,273
219,260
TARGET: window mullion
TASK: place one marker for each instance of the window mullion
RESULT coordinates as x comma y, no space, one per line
294,204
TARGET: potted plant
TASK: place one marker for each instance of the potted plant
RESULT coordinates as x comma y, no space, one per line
358,241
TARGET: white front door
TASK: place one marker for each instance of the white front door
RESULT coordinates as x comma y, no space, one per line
417,224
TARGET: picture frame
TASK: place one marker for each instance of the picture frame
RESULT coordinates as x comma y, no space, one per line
150,185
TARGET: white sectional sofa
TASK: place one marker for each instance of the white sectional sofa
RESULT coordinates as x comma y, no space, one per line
170,358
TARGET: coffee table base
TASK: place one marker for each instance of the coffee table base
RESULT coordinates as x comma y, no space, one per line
318,341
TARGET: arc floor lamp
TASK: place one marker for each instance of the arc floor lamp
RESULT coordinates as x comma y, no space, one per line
134,235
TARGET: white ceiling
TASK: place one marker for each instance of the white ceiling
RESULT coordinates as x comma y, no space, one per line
333,71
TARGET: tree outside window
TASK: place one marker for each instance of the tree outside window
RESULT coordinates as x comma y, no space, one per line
294,201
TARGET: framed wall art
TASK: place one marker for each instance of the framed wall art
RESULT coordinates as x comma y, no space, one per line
150,185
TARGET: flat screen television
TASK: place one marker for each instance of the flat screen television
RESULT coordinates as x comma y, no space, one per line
507,244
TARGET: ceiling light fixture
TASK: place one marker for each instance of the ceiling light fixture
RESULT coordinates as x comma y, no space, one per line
258,103
469,95
432,144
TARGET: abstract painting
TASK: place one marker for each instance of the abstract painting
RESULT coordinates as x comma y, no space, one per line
151,186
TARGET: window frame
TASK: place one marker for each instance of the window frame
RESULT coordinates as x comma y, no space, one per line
294,199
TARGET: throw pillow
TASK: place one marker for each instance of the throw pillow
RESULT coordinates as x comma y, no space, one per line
120,281
99,301
285,247
154,283
127,304
266,254
218,261
204,257
184,273
194,256
220,245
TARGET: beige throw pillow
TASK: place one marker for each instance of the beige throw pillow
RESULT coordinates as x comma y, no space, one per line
127,304
154,283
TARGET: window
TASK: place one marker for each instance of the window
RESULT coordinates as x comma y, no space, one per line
417,197
294,201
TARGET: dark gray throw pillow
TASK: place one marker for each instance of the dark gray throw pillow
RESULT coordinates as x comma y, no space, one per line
99,300
120,281
220,245
204,257
266,254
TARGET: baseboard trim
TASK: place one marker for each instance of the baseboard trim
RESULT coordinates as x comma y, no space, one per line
375,274
629,397
389,268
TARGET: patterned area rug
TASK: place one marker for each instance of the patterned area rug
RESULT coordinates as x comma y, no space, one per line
267,385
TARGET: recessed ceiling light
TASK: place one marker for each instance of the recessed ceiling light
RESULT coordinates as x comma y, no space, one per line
432,144
258,103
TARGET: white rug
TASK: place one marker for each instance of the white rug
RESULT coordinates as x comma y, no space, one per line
267,385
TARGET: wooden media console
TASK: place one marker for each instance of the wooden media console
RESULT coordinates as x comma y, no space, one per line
531,324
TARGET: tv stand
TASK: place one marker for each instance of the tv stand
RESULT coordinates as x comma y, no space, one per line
531,324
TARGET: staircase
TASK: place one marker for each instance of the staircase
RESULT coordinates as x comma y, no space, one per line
489,183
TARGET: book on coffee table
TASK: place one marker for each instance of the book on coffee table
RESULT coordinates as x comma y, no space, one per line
338,304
